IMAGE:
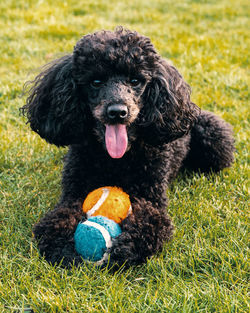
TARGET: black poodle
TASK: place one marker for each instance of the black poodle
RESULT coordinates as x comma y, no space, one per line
128,120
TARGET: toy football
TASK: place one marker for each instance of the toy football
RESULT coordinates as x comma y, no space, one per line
94,236
111,202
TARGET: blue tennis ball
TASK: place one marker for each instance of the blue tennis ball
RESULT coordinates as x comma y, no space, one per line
93,237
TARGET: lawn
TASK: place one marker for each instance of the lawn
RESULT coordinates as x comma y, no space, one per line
204,268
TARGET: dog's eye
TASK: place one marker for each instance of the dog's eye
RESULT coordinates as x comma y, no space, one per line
96,83
135,82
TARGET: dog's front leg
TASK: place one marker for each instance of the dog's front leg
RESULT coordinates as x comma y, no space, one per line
144,233
55,234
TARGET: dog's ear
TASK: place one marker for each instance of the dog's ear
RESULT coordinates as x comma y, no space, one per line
53,107
168,112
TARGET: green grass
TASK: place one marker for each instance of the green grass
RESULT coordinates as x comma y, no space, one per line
204,269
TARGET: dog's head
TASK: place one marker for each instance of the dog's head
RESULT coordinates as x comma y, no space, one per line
115,86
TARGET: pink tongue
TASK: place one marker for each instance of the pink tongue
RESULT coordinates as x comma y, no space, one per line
116,139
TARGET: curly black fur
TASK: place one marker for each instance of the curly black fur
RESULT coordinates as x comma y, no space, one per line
68,104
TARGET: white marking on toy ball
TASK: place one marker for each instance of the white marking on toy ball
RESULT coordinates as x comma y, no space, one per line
100,202
103,231
103,259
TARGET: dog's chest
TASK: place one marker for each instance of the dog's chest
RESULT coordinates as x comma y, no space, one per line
137,167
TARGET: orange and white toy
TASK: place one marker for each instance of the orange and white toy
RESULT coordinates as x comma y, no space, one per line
111,202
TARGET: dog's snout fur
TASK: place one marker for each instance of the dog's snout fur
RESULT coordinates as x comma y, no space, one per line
116,95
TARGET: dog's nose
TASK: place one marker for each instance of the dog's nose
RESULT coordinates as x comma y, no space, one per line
117,112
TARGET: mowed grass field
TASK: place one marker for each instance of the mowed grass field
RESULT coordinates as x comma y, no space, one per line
205,267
